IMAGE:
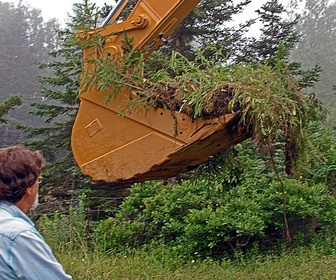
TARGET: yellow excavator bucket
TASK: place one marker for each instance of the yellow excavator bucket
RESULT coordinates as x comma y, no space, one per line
152,144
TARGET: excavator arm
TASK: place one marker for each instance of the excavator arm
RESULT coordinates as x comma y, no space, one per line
158,143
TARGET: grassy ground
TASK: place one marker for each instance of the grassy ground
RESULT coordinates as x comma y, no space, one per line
305,264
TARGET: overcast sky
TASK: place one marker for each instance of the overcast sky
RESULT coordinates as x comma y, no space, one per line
61,8
57,9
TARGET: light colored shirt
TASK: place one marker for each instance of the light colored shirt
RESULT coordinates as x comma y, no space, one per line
24,254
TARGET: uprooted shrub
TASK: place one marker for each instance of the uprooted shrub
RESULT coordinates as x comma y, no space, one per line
266,96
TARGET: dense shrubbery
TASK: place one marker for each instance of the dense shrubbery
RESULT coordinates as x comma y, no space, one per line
212,218
238,208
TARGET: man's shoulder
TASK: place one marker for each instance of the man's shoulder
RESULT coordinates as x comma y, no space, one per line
11,227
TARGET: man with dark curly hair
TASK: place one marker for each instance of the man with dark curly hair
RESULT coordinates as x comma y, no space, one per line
24,254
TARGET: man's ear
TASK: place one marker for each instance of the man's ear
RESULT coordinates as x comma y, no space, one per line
29,190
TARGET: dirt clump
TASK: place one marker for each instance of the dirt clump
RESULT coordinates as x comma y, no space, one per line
171,97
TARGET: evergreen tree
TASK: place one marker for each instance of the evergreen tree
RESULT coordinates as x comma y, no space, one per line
317,47
60,89
210,24
274,31
25,39
60,94
7,105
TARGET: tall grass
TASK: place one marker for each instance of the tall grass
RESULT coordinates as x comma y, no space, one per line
305,264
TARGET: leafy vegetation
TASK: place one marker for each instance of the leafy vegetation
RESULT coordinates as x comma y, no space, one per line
243,202
210,218
67,235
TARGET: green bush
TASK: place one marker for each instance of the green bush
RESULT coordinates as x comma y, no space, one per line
201,218
309,206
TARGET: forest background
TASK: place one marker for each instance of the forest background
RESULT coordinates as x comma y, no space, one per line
244,199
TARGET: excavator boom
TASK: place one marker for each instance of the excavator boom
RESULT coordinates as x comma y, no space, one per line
155,144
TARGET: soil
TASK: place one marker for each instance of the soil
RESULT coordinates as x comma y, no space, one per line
167,95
